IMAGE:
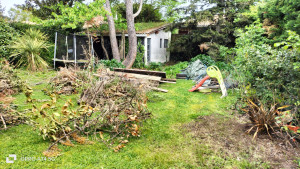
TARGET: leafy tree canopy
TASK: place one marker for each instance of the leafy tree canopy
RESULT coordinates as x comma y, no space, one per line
43,8
284,15
75,16
149,12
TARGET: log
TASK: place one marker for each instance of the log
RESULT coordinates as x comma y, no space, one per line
142,72
138,76
166,79
209,87
163,81
159,89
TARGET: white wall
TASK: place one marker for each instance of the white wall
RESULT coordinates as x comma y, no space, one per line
158,54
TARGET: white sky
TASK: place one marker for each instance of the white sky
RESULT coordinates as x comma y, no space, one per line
7,4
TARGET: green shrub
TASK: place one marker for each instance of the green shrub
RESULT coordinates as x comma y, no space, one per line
155,66
265,73
112,64
7,33
28,49
174,69
139,60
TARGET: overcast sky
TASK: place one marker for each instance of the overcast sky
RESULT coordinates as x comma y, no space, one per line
7,4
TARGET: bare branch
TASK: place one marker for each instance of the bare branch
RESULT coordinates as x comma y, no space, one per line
139,10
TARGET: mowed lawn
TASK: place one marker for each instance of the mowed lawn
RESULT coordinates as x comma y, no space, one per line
164,142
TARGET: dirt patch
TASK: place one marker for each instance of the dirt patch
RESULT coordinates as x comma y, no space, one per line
227,135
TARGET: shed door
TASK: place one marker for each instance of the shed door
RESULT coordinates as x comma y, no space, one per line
148,49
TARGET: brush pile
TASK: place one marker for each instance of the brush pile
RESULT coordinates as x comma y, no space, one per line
121,104
67,81
8,114
9,117
10,83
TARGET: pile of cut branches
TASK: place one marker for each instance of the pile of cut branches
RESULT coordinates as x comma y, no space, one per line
8,115
68,81
111,109
10,83
121,105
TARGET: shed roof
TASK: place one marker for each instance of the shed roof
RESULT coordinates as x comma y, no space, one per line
142,29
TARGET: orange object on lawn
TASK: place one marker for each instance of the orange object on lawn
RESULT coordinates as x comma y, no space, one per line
200,84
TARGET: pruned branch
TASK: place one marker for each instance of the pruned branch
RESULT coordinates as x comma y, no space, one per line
139,10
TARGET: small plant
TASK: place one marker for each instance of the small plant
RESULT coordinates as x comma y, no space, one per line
272,119
28,48
155,66
112,64
173,70
262,118
139,61
205,59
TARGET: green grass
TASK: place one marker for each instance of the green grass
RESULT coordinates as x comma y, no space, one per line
164,143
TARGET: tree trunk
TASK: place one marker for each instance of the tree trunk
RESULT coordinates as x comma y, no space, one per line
103,47
112,33
130,58
122,46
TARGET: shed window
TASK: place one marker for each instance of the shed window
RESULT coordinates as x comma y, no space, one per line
160,44
166,42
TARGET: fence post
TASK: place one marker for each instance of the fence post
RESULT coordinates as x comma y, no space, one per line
74,49
54,59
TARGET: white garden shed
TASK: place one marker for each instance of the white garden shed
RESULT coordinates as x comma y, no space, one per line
156,42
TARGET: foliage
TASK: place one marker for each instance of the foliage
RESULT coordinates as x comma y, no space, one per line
227,54
74,17
7,34
139,60
27,50
53,124
121,26
44,8
171,71
155,66
218,32
271,119
205,59
112,64
284,14
148,14
266,73
263,118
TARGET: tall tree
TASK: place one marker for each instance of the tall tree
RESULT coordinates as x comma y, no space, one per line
44,8
112,32
130,58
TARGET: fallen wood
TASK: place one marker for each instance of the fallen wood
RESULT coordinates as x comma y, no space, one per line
159,89
166,79
209,87
162,81
138,76
133,75
143,72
